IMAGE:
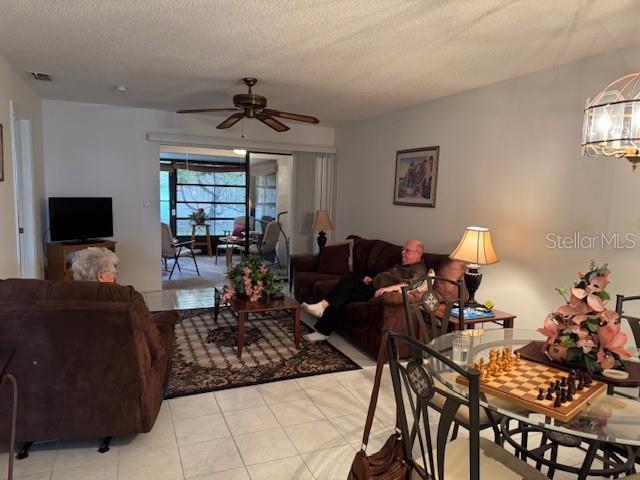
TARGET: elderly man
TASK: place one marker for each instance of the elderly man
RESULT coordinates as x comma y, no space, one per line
357,289
95,264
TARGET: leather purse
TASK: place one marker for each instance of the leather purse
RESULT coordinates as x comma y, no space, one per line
388,463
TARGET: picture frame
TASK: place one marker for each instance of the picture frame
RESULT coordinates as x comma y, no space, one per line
416,177
1,156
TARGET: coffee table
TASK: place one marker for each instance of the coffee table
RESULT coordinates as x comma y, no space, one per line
241,308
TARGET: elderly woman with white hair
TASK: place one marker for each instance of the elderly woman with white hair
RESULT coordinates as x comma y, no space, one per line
95,264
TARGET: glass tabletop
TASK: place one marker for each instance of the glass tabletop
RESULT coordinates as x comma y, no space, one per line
608,418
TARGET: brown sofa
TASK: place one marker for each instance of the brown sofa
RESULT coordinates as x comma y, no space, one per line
90,360
364,321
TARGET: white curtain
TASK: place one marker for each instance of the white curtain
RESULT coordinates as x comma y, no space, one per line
313,190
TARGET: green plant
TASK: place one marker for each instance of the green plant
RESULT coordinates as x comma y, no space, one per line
199,216
251,278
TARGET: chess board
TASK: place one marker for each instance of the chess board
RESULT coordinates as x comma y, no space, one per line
522,383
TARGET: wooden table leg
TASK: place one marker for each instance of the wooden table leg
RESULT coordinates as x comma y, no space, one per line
296,326
508,323
209,249
216,305
229,257
241,319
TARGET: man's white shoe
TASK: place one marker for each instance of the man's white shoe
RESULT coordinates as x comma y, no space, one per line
315,337
314,309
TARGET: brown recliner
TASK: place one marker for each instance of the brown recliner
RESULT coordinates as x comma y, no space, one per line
90,361
364,322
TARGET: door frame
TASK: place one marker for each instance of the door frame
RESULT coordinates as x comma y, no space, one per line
24,205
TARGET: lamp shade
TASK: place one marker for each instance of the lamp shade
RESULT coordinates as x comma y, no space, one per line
322,222
475,247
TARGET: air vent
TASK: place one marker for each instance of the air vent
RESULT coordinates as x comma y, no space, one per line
41,77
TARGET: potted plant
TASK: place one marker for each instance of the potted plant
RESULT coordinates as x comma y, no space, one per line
583,332
198,216
252,279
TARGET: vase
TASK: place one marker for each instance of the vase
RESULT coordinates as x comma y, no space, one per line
557,352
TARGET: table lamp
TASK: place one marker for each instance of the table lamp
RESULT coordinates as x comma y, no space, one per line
476,248
321,224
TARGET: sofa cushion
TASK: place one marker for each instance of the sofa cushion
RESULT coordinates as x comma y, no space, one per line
334,259
322,288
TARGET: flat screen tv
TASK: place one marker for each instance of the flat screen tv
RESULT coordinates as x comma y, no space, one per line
80,219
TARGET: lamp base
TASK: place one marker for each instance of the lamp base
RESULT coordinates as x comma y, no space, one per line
322,239
472,279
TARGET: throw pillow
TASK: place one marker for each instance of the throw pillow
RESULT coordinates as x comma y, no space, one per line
334,259
238,230
350,243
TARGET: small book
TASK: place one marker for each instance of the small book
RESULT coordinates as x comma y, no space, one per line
473,312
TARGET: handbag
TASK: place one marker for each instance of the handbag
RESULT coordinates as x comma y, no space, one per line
388,463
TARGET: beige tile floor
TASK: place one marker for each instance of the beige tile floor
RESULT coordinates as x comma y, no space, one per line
307,428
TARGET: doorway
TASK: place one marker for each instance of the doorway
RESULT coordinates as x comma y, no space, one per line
21,141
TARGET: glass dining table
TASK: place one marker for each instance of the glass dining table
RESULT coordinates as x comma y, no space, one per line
607,418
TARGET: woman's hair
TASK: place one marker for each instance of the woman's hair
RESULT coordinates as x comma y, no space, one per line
91,262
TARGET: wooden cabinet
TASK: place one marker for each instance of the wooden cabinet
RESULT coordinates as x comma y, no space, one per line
59,257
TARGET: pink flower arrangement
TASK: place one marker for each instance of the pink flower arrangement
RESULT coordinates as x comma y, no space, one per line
583,332
252,279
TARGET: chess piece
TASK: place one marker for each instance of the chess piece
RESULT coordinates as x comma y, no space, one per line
563,382
563,396
580,386
557,402
572,387
540,394
557,386
569,396
549,395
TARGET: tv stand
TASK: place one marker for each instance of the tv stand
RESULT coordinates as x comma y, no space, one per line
84,241
60,255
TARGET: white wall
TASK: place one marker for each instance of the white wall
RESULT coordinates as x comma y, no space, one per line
510,160
14,88
99,150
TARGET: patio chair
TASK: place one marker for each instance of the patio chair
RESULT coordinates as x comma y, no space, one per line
172,249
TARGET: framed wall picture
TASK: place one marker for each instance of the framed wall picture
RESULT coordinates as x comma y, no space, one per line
1,156
416,177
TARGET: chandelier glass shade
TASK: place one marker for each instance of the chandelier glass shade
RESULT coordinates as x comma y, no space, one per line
612,121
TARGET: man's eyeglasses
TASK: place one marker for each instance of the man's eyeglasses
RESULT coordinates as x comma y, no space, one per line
409,250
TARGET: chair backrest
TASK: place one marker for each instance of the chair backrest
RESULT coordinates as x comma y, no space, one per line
634,322
270,238
424,307
168,250
413,388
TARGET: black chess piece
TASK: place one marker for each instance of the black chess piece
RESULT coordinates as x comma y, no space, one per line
563,396
580,386
572,388
540,394
563,382
569,396
558,402
549,395
588,380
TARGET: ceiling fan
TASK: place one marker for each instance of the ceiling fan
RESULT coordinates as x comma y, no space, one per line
251,105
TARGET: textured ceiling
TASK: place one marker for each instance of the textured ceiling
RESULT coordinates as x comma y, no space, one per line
341,61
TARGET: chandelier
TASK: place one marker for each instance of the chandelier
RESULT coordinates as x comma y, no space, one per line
612,121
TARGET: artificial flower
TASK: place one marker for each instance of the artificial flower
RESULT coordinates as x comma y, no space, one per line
612,338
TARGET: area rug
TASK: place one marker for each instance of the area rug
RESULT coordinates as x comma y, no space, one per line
205,357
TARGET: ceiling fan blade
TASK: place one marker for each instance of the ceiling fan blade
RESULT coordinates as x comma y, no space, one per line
231,121
272,122
204,110
291,116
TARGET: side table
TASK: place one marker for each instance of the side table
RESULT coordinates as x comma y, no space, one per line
6,354
504,318
206,242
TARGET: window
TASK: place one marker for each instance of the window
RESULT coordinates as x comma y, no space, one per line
266,196
220,191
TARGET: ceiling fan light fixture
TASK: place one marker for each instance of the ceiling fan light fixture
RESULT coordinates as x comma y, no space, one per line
239,151
251,105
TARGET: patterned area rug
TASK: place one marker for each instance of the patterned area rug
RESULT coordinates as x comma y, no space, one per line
205,358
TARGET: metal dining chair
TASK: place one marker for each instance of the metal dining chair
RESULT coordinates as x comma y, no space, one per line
174,250
428,313
439,458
